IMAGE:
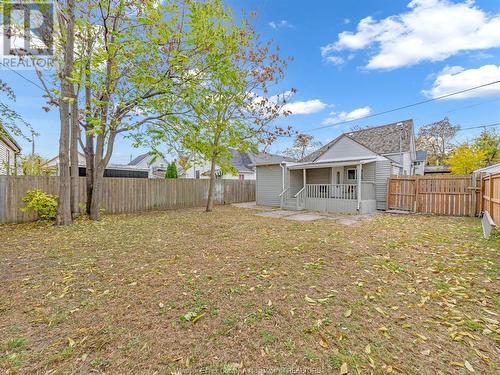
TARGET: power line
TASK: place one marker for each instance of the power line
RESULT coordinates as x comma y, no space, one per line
407,106
481,126
25,78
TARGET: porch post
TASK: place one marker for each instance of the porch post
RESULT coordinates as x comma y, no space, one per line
358,175
304,177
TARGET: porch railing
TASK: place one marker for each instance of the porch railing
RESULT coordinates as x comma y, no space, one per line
301,198
340,191
284,195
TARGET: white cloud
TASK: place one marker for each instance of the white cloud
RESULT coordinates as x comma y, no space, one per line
355,114
456,78
336,60
281,24
432,30
296,108
305,107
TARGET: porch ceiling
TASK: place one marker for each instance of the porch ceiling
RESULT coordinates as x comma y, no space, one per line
331,163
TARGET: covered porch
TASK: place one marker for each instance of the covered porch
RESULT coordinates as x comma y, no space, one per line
342,186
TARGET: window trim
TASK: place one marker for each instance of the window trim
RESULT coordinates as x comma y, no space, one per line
355,174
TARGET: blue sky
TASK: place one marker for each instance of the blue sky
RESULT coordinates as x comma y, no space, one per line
352,59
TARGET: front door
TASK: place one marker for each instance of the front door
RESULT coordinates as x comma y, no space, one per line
337,178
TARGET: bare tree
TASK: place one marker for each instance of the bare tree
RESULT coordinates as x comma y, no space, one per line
302,145
436,139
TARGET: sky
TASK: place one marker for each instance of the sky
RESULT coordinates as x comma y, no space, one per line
352,59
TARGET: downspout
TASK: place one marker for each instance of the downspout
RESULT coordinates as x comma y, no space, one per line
283,166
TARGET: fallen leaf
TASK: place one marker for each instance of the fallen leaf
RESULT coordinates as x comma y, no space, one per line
198,317
344,369
468,366
309,299
368,349
348,313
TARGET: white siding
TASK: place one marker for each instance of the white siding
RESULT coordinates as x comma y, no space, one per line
368,172
318,176
269,185
383,172
7,157
346,148
296,181
404,159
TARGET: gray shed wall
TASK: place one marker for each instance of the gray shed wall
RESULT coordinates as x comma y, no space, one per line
268,185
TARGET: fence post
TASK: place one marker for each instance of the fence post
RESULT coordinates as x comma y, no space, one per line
417,192
490,210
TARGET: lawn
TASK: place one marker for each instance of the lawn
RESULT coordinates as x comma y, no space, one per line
229,291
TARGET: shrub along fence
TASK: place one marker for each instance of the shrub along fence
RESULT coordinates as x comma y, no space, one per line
126,195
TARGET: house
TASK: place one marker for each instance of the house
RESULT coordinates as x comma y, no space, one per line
348,175
491,169
436,169
156,166
419,163
112,170
9,151
243,162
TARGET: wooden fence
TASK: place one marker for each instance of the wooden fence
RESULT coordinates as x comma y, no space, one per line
443,195
124,195
490,196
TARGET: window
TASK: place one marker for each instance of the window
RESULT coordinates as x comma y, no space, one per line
196,174
338,177
241,177
351,174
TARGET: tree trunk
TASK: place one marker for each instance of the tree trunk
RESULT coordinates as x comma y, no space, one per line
211,188
64,206
89,162
75,182
95,204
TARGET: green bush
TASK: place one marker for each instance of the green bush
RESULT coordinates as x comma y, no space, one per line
43,204
171,171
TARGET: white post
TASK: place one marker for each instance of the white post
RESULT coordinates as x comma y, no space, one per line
304,177
358,175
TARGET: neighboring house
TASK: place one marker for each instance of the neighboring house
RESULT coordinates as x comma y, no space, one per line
243,162
112,170
419,163
495,168
436,169
349,174
156,166
9,151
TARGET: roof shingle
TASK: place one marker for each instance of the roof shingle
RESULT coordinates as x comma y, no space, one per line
383,139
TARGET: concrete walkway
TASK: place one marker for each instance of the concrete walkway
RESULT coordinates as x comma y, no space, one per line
303,216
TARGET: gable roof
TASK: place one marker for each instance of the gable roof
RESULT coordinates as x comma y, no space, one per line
138,159
384,139
246,161
4,135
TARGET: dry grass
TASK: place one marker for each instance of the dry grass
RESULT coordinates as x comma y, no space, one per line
229,291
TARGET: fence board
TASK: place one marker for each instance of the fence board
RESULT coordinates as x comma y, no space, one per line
490,196
126,195
452,196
